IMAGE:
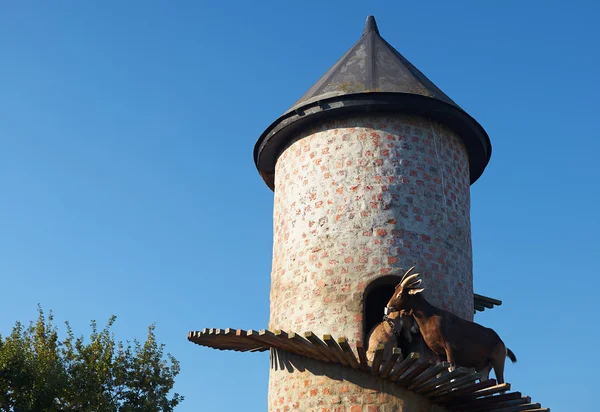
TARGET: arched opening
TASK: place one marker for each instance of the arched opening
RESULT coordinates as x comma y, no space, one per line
377,295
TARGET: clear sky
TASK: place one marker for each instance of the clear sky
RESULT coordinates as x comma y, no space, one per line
128,185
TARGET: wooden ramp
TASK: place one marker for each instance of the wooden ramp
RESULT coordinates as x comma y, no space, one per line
459,390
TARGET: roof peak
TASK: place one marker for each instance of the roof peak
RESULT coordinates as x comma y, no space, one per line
370,26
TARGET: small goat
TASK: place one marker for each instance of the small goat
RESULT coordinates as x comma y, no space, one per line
388,332
461,342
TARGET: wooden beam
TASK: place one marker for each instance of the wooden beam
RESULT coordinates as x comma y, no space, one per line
500,388
321,347
444,397
486,304
487,299
520,408
377,359
487,401
362,356
297,347
281,340
457,400
335,349
538,410
505,404
345,346
442,379
387,368
447,382
452,383
219,339
403,366
479,308
309,347
407,378
429,375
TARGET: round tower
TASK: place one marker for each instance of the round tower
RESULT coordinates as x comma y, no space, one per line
371,172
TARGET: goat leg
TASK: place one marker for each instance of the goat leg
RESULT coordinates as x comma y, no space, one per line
484,373
450,359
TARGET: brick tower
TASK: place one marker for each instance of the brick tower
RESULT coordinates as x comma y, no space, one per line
371,172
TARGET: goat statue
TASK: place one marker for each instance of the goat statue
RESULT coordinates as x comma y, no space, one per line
459,341
393,328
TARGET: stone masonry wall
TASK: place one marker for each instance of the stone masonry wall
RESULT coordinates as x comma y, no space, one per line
357,199
360,198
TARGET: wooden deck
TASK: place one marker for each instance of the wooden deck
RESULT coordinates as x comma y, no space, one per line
459,390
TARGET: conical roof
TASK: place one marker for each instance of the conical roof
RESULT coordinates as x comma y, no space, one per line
372,76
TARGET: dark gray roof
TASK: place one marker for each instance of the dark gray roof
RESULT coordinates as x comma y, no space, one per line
372,65
372,76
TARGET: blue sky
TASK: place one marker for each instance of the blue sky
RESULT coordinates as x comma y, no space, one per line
128,185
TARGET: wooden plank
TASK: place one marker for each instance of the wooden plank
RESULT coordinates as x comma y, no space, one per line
282,335
519,408
387,368
255,336
487,401
335,349
427,376
403,366
501,388
320,345
440,384
502,405
377,359
452,382
487,299
260,349
408,377
436,381
362,356
278,342
479,307
446,396
538,410
298,348
309,347
348,354
265,338
223,340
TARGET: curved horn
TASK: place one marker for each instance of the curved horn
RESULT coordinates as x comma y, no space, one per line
409,279
406,274
414,283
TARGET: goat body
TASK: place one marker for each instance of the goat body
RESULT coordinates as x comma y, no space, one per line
461,342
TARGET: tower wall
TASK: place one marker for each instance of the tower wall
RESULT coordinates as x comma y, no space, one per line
357,199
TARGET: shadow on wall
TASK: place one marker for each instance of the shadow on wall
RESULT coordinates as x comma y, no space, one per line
394,397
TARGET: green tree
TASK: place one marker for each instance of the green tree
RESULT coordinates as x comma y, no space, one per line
38,372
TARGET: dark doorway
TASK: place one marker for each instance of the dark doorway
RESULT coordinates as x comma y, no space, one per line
377,295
